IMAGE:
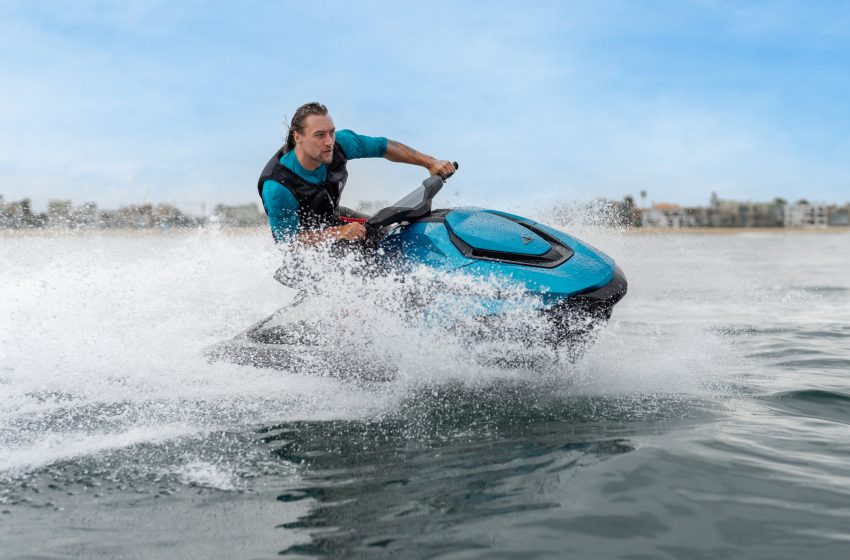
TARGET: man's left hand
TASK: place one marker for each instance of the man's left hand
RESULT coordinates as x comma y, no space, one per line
443,168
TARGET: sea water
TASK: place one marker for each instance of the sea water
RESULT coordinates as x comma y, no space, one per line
711,418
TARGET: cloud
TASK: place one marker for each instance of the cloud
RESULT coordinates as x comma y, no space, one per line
114,102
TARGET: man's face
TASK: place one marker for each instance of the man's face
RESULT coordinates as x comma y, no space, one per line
317,142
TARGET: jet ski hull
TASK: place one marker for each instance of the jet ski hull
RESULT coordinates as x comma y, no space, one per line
570,284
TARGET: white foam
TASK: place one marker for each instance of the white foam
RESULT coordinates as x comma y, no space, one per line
204,473
53,447
103,336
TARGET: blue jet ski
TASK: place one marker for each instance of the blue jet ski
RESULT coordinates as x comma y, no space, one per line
574,286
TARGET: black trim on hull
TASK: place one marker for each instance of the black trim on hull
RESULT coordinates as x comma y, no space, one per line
574,321
603,299
595,304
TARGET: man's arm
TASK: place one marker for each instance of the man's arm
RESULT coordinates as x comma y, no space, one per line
347,232
359,146
282,208
398,152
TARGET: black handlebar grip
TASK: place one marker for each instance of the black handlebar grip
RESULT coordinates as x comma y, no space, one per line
452,173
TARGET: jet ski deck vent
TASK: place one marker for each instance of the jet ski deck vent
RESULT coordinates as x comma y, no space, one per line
557,254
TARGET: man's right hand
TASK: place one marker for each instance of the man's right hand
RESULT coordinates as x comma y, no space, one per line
350,232
443,168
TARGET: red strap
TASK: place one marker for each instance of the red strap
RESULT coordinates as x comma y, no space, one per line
349,220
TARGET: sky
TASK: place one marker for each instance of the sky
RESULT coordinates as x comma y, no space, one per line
183,102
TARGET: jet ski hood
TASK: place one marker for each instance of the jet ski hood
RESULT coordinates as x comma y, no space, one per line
486,231
496,236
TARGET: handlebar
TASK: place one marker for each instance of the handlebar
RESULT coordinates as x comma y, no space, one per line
452,173
414,205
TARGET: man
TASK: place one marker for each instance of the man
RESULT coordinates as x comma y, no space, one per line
301,185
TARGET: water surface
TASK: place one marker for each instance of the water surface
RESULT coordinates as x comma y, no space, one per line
710,419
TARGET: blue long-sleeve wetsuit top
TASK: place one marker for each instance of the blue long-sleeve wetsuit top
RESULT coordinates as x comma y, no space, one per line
280,203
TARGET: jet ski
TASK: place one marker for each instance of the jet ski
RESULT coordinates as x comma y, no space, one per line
572,287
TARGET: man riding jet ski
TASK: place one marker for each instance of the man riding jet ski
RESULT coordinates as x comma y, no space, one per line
571,286
566,286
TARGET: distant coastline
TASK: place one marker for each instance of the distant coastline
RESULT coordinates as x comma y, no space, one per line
263,230
134,232
719,216
655,230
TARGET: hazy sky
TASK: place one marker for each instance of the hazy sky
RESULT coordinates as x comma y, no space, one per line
184,102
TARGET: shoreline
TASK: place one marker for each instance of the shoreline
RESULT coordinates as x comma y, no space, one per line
734,230
251,230
128,232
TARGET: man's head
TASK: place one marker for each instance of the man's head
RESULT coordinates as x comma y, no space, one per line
311,134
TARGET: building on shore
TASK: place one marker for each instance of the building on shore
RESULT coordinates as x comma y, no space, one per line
242,215
804,214
662,215
730,213
839,216
748,214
